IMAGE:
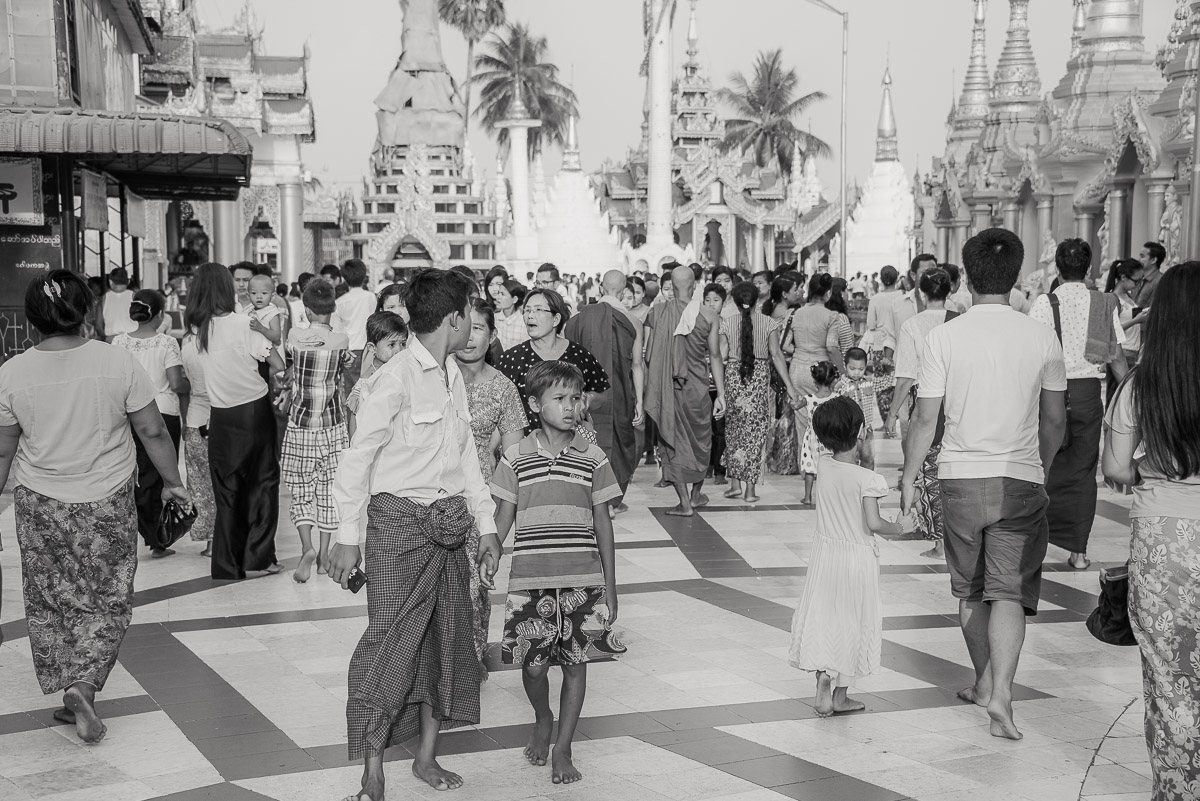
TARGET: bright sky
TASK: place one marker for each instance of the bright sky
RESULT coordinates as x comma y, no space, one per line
355,45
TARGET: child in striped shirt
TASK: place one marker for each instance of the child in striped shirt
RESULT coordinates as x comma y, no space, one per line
562,589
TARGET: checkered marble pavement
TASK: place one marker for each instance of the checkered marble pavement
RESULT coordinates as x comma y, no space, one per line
236,692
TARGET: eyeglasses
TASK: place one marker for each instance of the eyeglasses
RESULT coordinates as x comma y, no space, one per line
544,284
533,310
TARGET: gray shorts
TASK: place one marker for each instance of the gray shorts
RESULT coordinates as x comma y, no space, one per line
996,537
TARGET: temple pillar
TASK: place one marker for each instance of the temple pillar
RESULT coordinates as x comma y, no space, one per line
658,201
228,237
981,218
756,258
1156,205
958,242
518,126
771,255
291,223
1012,216
1118,248
1045,217
699,229
943,242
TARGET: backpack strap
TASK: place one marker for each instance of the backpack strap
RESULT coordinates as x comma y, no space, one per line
1057,316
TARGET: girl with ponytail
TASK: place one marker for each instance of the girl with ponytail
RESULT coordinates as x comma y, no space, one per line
749,347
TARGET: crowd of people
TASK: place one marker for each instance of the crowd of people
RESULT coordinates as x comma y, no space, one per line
420,424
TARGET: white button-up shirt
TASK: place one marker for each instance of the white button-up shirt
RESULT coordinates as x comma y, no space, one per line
412,440
351,315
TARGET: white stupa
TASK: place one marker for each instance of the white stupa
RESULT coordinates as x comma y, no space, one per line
574,233
879,228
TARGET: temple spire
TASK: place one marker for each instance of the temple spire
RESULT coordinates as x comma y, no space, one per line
972,109
1017,85
570,159
1078,26
693,35
1113,25
886,146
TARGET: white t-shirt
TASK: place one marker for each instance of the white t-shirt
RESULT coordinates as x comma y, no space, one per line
350,319
1075,307
199,404
230,363
73,408
156,355
116,313
991,365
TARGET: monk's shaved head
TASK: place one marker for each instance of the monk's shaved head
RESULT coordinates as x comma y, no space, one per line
613,282
684,280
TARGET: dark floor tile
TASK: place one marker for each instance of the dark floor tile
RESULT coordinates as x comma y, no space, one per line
396,753
723,572
665,738
510,736
698,718
16,722
619,725
216,749
331,756
768,711
255,766
840,788
251,723
208,710
188,677
466,741
722,750
778,770
922,698
198,692
215,792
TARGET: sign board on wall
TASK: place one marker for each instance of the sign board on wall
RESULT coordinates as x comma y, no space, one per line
135,215
21,192
25,254
95,200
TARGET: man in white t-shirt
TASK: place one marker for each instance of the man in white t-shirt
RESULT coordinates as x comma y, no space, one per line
350,319
1002,381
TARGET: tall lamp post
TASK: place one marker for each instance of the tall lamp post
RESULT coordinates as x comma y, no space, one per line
842,153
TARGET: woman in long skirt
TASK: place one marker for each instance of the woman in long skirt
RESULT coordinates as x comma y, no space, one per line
195,447
748,342
73,498
1153,446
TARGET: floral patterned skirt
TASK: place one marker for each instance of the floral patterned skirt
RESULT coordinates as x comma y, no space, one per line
195,454
481,599
929,504
747,419
77,565
1163,586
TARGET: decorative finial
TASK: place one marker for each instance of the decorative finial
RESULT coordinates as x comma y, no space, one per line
693,34
570,160
885,146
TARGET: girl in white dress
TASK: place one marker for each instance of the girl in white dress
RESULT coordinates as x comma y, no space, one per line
837,630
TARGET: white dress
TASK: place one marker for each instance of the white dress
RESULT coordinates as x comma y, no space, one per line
811,448
838,626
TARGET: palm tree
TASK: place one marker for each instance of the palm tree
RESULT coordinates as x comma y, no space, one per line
765,109
474,19
517,63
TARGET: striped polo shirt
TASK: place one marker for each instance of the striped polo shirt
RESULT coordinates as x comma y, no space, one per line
555,543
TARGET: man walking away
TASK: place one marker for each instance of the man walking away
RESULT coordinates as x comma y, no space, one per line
1001,378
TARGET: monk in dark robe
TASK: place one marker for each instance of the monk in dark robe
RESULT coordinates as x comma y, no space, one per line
614,336
684,345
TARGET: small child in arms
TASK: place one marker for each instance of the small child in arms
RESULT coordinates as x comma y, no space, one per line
266,318
562,588
837,630
387,335
857,387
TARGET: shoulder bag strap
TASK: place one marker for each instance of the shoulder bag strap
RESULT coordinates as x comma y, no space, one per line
1057,316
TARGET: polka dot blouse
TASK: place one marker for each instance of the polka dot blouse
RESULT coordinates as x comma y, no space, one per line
516,362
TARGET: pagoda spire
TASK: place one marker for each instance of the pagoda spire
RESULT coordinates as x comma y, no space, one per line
886,145
1017,85
1078,26
1113,25
972,109
570,158
693,35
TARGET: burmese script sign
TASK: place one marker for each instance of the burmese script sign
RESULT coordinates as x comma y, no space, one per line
25,254
21,192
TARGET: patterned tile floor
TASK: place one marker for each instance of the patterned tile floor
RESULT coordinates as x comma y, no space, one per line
236,692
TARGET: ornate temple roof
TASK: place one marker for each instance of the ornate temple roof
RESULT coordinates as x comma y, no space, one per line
970,114
1017,86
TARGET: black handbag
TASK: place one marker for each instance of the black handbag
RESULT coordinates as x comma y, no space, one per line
1066,440
1109,622
173,524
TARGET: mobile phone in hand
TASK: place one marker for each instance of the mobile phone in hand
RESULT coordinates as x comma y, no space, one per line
356,580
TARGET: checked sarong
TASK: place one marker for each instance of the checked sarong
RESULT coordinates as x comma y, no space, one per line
418,646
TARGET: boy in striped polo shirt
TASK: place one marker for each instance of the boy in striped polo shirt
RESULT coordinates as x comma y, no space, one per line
555,485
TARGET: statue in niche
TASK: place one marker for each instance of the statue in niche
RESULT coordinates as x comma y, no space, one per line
1103,233
1170,231
1049,246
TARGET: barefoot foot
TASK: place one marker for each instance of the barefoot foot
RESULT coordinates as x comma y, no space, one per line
564,770
369,792
823,703
539,742
936,552
88,725
751,499
661,484
680,511
1002,721
974,695
732,492
304,569
700,502
64,715
435,775
844,703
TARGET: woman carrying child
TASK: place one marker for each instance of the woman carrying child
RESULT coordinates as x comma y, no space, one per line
837,630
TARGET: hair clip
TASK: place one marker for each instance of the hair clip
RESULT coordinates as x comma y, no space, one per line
143,304
52,291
